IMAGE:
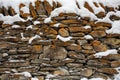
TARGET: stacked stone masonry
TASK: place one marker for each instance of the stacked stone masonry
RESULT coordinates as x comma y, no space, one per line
70,60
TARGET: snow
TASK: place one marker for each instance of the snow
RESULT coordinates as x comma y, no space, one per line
88,37
22,36
66,8
29,27
56,25
5,54
49,76
25,9
32,38
64,39
92,79
47,20
15,4
26,74
117,76
115,28
87,27
36,22
10,19
34,78
15,26
16,60
106,53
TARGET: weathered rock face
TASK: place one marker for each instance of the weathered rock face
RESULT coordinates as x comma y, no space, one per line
53,52
34,46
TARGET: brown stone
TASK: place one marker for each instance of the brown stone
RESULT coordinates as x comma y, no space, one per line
112,57
5,11
98,34
11,11
109,8
24,15
63,32
61,72
82,42
68,15
87,72
112,41
114,17
101,75
102,6
86,5
70,22
1,22
48,69
7,45
61,43
29,69
48,7
15,64
98,46
58,4
79,29
100,28
54,52
6,25
115,63
88,52
40,77
24,50
74,47
21,5
95,4
50,31
87,46
12,39
74,65
113,35
103,24
39,8
32,11
75,55
1,11
99,64
100,14
111,71
78,34
37,49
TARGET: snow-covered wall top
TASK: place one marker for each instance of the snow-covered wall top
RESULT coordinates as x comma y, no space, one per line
83,8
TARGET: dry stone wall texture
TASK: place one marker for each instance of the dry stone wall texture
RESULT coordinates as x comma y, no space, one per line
47,54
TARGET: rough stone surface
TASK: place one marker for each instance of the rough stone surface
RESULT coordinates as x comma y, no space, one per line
34,48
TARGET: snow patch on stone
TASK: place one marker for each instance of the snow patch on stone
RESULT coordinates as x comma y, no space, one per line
64,39
15,26
106,53
32,38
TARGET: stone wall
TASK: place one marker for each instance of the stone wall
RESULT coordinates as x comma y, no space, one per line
20,51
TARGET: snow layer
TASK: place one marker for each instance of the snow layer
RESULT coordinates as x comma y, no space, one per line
100,54
15,4
32,38
15,26
10,19
92,79
115,28
88,37
117,76
72,7
64,39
